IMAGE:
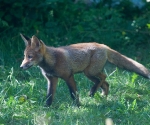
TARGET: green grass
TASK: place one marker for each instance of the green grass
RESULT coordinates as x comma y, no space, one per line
22,96
22,99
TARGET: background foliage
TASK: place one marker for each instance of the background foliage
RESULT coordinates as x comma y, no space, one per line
61,22
123,27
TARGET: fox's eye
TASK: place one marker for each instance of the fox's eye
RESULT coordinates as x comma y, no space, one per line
29,57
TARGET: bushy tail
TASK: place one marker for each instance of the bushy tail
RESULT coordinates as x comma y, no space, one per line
127,63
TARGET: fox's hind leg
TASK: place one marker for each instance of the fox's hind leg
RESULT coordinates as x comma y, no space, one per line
105,85
99,81
95,86
93,72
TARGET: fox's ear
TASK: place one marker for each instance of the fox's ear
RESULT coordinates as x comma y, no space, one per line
26,39
36,43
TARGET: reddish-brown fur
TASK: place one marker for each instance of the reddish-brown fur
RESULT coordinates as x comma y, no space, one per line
64,62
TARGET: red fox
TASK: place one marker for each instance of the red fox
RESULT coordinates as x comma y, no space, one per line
64,62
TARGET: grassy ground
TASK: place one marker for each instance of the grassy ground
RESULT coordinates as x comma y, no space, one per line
22,98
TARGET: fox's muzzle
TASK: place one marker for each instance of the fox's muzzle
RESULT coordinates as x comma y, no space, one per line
26,65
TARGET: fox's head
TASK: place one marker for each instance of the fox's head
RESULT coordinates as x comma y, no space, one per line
33,53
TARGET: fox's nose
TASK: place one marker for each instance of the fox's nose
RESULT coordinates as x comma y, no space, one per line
21,67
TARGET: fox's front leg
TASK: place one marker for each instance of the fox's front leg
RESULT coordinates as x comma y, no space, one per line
73,89
51,88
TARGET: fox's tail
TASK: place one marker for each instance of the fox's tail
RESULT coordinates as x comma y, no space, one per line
127,63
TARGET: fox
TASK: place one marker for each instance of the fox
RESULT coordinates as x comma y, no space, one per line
65,61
